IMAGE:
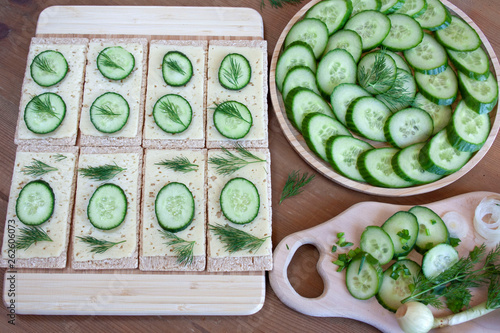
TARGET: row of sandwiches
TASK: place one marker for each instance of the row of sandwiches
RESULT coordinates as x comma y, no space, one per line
138,149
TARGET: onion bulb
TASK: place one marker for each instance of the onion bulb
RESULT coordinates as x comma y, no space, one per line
487,219
415,317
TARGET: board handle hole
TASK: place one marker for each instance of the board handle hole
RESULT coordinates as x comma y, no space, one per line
302,272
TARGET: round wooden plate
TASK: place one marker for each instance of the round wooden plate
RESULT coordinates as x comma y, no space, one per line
299,144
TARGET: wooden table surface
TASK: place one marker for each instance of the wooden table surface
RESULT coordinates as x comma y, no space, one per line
320,201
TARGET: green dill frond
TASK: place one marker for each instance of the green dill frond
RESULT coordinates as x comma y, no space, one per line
237,240
40,106
105,110
174,65
294,184
37,168
44,64
234,72
179,164
171,110
183,249
30,236
106,61
60,157
98,245
230,110
231,162
102,172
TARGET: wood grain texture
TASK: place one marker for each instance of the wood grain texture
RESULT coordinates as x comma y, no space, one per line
336,301
299,144
320,201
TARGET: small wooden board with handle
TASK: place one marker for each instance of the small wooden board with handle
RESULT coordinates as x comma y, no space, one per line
335,300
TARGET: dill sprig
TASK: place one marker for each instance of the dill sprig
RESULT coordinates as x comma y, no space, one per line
379,77
44,64
106,61
60,157
453,284
280,3
231,162
398,96
237,240
98,245
30,236
233,73
37,168
180,164
174,65
46,107
182,248
294,184
231,110
102,172
105,110
172,111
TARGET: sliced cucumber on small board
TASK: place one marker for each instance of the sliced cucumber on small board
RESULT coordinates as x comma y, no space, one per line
363,278
438,259
115,63
240,201
375,241
402,228
174,207
107,207
109,112
431,229
176,69
44,113
35,203
48,68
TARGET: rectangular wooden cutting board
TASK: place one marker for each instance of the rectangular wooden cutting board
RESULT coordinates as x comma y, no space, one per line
132,292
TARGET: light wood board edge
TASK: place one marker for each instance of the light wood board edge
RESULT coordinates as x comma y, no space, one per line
298,143
335,301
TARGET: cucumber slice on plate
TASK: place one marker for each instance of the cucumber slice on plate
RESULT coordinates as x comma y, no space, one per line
48,68
402,228
232,119
480,96
44,113
441,88
296,54
390,6
441,114
234,72
402,94
240,201
431,229
342,153
363,278
176,68
336,67
458,36
35,203
342,96
413,8
475,64
376,72
347,40
428,57
172,113
440,157
408,126
361,5
396,283
371,25
109,112
333,13
174,207
310,31
438,259
468,130
107,207
300,102
317,128
406,165
375,241
435,17
375,167
115,63
367,116
405,33
300,76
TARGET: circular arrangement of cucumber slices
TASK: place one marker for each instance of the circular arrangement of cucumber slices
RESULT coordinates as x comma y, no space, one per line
107,207
176,68
234,72
340,61
174,207
240,201
172,113
48,68
232,119
44,113
109,112
35,203
115,63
